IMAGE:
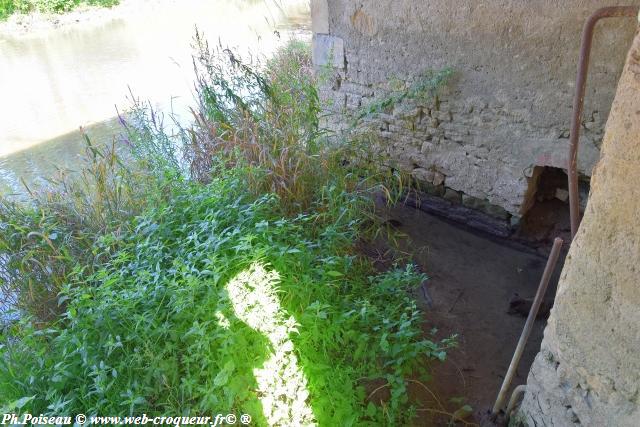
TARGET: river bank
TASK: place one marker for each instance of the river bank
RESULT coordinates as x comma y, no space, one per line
35,24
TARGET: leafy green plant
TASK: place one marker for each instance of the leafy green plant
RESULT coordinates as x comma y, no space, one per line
423,88
154,331
216,271
61,227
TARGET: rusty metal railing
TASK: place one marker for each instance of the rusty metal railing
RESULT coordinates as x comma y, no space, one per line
578,101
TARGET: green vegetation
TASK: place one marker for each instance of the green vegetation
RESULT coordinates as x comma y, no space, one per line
215,270
9,7
424,88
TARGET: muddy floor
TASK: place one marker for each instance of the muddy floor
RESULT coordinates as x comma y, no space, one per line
473,278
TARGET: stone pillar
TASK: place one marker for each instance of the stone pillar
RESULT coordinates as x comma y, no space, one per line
588,370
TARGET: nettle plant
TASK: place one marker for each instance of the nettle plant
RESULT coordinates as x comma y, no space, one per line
226,279
217,302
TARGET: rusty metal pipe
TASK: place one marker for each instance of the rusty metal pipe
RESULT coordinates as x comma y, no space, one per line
528,326
578,102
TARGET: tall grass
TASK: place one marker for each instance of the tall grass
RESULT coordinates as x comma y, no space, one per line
73,221
260,115
215,270
265,115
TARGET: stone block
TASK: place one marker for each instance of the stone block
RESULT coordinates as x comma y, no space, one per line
435,190
496,211
353,101
426,146
562,195
328,51
423,175
489,123
438,178
472,202
452,196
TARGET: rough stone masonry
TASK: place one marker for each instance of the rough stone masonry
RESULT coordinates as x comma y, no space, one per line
588,370
507,108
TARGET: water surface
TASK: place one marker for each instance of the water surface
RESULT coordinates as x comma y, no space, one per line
54,82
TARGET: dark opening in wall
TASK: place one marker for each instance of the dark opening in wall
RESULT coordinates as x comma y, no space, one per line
546,206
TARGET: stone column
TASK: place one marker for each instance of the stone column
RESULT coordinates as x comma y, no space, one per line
588,370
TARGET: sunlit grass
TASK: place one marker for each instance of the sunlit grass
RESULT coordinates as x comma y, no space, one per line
281,383
180,318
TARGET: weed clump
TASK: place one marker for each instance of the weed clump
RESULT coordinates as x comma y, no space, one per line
75,221
214,270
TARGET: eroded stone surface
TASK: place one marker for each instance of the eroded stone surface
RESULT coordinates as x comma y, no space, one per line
588,370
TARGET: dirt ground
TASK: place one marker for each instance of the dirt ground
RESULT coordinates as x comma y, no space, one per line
472,278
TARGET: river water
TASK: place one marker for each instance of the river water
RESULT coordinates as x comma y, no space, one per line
53,82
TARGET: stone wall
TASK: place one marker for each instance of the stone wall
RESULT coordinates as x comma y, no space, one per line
588,370
508,106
